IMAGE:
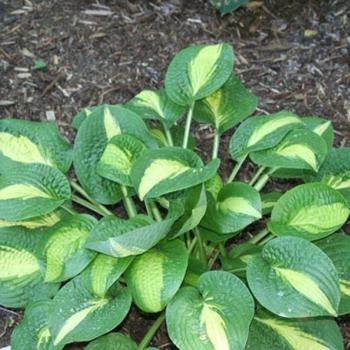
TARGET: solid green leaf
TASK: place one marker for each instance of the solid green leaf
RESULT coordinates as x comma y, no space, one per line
121,238
310,211
33,332
28,191
27,142
227,6
215,315
103,272
92,138
227,106
62,249
262,132
112,341
335,171
293,278
300,149
198,71
321,127
236,206
118,158
77,315
337,247
155,276
150,104
170,169
237,259
20,278
269,332
269,200
194,203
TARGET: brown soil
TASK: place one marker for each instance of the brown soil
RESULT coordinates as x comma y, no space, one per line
294,55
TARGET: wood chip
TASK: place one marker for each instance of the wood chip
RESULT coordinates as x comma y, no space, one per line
24,75
4,103
98,12
50,116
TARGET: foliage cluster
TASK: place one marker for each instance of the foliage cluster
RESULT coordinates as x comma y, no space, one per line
77,274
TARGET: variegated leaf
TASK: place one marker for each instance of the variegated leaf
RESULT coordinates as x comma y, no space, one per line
262,132
311,211
20,278
28,191
168,170
236,206
215,315
62,249
293,278
155,276
150,104
198,71
28,142
227,106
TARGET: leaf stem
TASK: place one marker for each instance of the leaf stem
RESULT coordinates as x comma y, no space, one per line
222,249
168,135
236,169
100,207
213,259
155,211
257,175
151,332
128,202
216,145
259,236
88,205
266,239
263,179
68,210
200,246
188,126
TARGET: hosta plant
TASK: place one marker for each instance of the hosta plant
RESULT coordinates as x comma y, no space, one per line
227,6
144,220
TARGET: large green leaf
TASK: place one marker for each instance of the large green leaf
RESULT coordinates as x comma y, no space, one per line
194,203
103,272
28,191
77,315
311,211
150,104
121,238
236,206
335,171
33,332
215,315
300,149
155,276
198,71
92,138
84,113
27,142
269,332
337,247
118,158
227,6
62,250
169,169
227,106
20,277
294,278
112,341
262,132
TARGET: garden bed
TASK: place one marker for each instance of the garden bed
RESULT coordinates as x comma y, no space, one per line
293,56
